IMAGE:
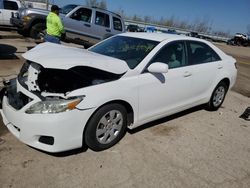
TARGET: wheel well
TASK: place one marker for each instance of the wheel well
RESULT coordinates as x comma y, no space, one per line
36,21
226,81
128,107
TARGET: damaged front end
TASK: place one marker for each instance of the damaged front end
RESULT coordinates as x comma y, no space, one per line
42,80
15,99
51,86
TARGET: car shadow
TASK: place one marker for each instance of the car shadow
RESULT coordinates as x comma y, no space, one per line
7,52
65,153
165,119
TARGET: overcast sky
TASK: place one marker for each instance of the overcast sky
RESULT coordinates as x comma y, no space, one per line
224,15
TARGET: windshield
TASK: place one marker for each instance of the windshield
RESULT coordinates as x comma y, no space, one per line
132,50
67,8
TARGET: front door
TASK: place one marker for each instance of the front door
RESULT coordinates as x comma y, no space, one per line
78,24
163,94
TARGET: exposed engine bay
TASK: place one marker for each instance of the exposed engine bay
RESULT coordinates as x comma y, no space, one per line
36,78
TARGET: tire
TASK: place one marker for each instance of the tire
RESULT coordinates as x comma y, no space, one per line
38,31
106,127
217,97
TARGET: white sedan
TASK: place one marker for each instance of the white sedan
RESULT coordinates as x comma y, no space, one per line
64,96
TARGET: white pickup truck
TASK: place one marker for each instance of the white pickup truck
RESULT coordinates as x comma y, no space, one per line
7,8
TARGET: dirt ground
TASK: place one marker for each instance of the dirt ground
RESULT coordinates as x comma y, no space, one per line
194,148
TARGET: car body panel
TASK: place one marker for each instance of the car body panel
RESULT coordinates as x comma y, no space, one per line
163,92
88,33
150,95
6,13
46,53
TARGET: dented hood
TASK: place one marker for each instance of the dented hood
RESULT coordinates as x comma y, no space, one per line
56,56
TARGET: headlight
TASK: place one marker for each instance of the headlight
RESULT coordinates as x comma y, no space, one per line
53,106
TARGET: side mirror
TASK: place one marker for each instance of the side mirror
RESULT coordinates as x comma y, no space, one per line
158,67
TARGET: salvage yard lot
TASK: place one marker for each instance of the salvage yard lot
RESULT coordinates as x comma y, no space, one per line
194,148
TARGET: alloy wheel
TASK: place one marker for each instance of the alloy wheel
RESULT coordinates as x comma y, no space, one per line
109,126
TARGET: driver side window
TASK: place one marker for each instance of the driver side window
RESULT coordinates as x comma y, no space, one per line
173,54
82,14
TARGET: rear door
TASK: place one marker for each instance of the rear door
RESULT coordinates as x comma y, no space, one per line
102,25
8,8
205,65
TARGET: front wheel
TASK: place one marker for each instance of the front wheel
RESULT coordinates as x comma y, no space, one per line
106,127
217,97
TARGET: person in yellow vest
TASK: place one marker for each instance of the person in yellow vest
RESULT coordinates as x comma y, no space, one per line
55,28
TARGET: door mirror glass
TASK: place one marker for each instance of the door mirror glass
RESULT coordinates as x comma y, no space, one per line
158,67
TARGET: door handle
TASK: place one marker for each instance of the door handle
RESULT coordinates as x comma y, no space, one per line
220,66
87,25
187,74
108,30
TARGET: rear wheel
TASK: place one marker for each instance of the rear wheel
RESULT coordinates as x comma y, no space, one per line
106,127
38,31
217,97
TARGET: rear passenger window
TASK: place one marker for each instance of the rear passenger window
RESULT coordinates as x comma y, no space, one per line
82,14
173,54
201,53
102,19
117,24
9,5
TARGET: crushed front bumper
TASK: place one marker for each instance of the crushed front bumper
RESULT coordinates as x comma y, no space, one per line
49,132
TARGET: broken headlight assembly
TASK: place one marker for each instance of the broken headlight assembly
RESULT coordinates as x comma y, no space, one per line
53,106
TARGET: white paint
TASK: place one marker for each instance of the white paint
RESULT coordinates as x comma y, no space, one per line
151,95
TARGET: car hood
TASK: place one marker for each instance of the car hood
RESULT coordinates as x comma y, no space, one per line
56,56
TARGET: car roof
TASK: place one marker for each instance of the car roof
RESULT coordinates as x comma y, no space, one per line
100,9
159,37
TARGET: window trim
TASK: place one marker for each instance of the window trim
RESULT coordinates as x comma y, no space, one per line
188,42
104,19
113,19
79,10
10,2
145,70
